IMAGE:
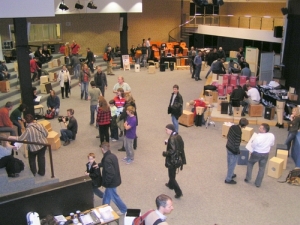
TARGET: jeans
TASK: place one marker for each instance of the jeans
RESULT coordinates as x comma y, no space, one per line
208,72
76,70
91,66
111,194
40,154
172,181
66,134
290,138
93,108
175,122
84,90
17,124
103,133
8,129
97,192
262,159
247,102
128,144
143,59
231,163
242,103
197,73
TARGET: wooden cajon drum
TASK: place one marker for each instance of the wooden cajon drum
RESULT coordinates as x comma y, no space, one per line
187,118
215,96
214,76
225,129
247,133
256,110
275,167
151,69
156,64
50,64
4,86
46,124
46,87
137,67
44,79
16,66
283,154
53,140
52,77
237,111
62,59
55,63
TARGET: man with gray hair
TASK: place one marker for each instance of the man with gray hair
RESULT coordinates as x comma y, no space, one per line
5,123
164,205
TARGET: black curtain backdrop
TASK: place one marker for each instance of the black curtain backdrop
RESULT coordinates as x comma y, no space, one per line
291,58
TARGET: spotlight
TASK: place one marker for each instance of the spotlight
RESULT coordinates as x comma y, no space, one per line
284,11
78,6
91,5
62,6
221,2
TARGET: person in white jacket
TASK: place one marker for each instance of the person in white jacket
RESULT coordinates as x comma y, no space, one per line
64,80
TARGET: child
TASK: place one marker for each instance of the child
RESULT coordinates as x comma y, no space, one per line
93,171
113,124
130,127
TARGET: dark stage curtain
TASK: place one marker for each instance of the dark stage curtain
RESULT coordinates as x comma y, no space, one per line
291,58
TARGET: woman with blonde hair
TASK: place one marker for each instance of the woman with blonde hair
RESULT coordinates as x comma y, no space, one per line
103,119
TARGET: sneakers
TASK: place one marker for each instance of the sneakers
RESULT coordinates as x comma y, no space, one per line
113,139
125,159
129,161
230,182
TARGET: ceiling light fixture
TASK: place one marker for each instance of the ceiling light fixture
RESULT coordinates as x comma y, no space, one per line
62,6
78,5
91,5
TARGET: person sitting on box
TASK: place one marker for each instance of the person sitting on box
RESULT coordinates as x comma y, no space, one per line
198,103
4,74
253,98
46,54
232,68
53,102
238,94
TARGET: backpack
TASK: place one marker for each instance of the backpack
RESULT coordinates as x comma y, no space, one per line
141,219
105,57
15,166
293,177
49,115
33,218
176,159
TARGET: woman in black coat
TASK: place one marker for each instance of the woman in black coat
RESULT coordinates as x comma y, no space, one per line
95,174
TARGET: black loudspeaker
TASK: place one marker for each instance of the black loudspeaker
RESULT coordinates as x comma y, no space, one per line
171,66
278,31
224,107
269,113
48,87
162,67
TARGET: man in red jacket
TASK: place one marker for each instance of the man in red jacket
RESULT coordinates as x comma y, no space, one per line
5,123
35,69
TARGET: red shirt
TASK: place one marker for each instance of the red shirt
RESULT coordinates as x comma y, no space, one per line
4,118
103,117
62,49
198,103
119,102
33,66
75,48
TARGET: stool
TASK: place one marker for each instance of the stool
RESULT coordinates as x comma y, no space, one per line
137,67
53,140
247,133
4,86
283,154
237,111
40,108
46,87
256,110
187,118
275,167
151,69
151,62
46,124
243,156
156,64
44,79
282,147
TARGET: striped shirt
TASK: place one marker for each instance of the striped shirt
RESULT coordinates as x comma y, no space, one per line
34,132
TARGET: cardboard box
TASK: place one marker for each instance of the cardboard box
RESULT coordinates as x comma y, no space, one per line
44,79
53,140
52,77
292,97
247,133
151,69
214,76
283,154
4,86
275,167
208,99
256,110
187,118
50,64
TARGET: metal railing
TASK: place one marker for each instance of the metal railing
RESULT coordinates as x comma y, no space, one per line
35,143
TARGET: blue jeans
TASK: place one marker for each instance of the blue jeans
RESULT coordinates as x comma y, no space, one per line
175,122
93,108
77,71
84,90
98,192
290,138
197,73
111,194
8,129
262,159
231,163
66,134
128,144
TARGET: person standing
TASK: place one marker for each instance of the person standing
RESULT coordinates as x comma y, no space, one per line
100,80
94,94
75,63
84,78
93,171
198,65
164,206
72,127
5,123
67,53
148,45
35,132
103,119
111,178
121,84
35,69
175,150
120,103
130,135
294,126
175,106
64,80
75,48
109,55
261,146
90,59
16,117
234,139
144,56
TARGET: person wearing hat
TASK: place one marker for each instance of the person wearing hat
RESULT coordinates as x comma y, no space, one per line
4,74
175,158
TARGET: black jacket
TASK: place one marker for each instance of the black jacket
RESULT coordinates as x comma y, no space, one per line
90,57
111,176
175,145
95,174
100,79
176,108
239,94
234,138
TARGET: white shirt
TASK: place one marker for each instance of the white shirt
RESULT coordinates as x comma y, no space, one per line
253,94
148,43
263,142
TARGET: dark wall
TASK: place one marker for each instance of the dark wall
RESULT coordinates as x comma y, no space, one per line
55,199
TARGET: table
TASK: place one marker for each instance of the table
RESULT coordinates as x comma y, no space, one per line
296,150
115,215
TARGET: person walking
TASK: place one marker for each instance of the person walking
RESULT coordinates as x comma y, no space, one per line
100,80
84,79
175,106
94,94
93,171
64,80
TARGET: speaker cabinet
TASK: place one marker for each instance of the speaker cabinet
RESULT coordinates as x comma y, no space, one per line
224,107
269,113
278,31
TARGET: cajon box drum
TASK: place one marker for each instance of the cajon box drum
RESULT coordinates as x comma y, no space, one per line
225,129
44,79
243,156
4,86
283,154
187,118
46,88
275,167
256,110
247,133
137,68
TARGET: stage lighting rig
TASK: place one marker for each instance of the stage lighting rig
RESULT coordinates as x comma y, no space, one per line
78,5
91,5
62,6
